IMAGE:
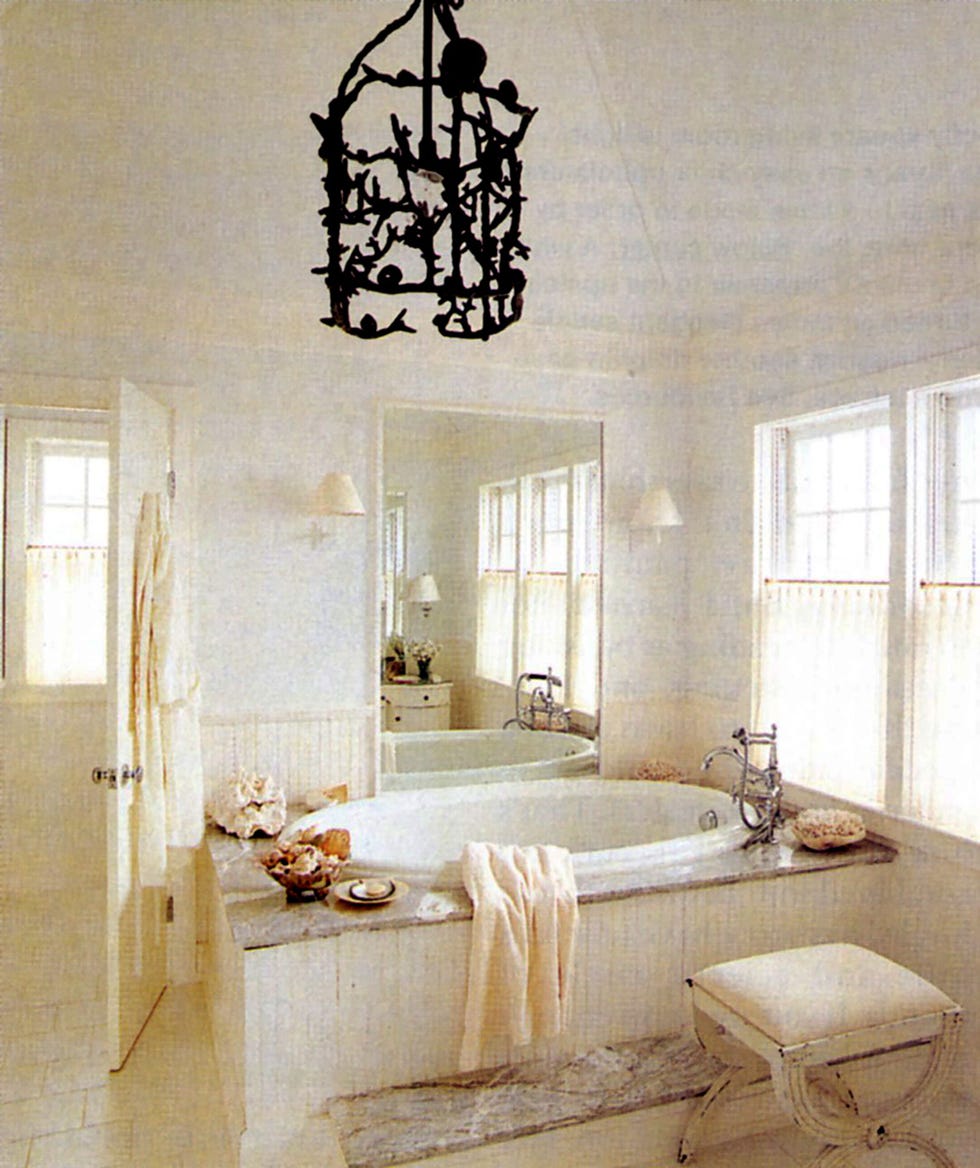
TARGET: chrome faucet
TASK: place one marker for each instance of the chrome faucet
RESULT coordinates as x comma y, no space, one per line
758,791
542,711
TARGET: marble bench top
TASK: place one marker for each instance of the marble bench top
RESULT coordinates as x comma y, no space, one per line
260,916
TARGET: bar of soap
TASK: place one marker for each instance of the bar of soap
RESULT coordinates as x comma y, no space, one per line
376,887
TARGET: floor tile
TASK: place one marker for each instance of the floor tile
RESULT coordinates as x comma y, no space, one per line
752,1152
49,1113
21,1081
14,1155
108,1145
74,1074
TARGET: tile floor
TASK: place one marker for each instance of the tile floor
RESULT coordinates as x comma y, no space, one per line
953,1120
60,1109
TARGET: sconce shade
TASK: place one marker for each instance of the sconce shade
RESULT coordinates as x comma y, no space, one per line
656,509
337,495
422,590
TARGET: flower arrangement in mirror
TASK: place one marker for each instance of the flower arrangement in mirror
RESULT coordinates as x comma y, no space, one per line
423,652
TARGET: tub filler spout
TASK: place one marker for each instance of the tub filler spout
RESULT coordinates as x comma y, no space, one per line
758,791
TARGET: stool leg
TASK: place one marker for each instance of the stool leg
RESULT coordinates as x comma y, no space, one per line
847,1131
730,1079
840,1157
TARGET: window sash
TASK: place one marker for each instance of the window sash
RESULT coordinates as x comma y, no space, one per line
923,692
539,554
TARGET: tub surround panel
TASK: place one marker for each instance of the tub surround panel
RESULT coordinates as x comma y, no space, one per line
372,999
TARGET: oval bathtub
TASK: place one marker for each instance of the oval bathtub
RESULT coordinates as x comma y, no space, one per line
613,827
456,758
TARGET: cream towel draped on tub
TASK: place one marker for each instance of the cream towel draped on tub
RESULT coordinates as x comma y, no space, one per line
164,705
525,921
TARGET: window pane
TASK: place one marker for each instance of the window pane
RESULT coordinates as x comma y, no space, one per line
62,479
878,545
847,547
811,468
62,526
848,470
809,548
879,468
98,482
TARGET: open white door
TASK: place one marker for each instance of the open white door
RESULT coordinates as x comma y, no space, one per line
137,952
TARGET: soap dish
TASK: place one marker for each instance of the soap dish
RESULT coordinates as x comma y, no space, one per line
370,890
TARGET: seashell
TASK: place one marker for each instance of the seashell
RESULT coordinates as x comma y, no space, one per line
302,868
820,829
249,804
335,841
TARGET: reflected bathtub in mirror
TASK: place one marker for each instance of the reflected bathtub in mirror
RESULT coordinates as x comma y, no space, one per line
457,758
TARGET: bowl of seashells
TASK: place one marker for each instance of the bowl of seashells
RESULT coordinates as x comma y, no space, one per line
309,863
821,829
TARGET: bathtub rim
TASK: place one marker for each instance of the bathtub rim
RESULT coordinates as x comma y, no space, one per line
615,864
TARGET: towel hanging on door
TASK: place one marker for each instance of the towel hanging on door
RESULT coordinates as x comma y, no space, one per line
164,702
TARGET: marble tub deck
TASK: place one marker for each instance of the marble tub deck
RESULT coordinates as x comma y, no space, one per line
398,1125
259,914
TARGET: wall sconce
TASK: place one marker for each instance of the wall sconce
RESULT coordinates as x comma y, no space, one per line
335,495
655,511
422,590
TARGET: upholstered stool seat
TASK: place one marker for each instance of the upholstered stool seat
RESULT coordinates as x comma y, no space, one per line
799,1014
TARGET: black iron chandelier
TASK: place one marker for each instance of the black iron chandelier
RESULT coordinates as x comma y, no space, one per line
438,211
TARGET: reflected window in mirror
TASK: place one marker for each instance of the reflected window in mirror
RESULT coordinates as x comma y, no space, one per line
538,580
393,584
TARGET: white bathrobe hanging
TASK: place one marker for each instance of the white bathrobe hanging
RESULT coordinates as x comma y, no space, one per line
164,702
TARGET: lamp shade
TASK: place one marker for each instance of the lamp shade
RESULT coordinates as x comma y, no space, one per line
337,495
656,509
422,590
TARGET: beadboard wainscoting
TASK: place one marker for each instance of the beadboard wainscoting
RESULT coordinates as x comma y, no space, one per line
301,751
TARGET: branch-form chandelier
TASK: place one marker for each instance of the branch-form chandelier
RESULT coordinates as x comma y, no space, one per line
438,212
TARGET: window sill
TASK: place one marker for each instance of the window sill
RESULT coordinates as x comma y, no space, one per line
910,833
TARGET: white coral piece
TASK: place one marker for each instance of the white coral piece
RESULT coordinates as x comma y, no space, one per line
247,804
653,770
823,828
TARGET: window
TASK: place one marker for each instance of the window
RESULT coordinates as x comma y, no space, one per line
539,579
854,636
944,727
823,596
497,584
58,516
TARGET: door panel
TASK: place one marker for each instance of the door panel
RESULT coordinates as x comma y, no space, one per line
136,929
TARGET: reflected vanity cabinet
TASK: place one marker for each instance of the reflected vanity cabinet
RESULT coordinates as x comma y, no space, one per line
416,707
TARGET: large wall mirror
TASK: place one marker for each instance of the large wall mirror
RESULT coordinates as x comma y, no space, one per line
492,552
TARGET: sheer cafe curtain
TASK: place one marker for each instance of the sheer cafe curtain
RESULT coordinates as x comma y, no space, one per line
583,667
66,615
495,627
543,622
944,789
822,680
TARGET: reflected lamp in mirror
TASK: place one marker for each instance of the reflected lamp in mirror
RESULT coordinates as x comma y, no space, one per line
655,511
335,495
422,590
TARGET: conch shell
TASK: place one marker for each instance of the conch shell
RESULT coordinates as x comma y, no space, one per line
250,804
